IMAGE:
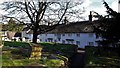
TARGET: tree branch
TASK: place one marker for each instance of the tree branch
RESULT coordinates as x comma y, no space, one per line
26,7
64,12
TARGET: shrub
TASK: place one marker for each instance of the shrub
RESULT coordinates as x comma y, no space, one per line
54,63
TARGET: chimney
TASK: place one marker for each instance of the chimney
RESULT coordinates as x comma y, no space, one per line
90,16
65,20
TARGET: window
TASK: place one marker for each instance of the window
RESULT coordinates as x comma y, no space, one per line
45,40
90,43
55,41
68,42
72,42
40,39
69,34
90,34
78,42
63,34
78,34
63,41
59,39
50,39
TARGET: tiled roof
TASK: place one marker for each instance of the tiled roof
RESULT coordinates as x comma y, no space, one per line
76,27
73,27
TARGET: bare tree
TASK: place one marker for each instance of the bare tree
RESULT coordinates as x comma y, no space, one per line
43,15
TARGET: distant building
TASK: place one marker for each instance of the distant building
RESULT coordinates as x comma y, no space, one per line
78,33
80,39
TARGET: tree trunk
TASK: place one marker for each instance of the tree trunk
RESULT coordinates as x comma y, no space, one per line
35,36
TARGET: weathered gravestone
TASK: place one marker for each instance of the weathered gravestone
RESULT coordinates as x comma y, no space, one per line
36,51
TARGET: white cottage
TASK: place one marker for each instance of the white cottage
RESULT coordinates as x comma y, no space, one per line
80,39
78,33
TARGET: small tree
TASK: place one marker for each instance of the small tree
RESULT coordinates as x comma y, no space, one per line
13,26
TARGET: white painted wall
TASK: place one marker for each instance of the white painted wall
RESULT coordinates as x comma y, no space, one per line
24,34
82,40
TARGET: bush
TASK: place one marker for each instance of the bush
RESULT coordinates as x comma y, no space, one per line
101,56
16,44
62,49
16,51
54,63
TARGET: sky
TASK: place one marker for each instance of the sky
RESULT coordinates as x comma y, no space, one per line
92,5
97,6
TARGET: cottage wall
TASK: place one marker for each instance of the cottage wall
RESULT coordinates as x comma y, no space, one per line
80,39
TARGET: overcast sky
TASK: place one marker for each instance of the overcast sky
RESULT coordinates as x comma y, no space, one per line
92,5
97,6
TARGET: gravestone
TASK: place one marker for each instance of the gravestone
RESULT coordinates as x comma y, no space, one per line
35,51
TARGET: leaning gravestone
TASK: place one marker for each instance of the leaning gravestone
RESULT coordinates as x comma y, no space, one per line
35,51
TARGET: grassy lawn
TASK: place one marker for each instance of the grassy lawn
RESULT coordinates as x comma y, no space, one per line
16,44
0,60
63,49
60,50
0,57
31,62
104,58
